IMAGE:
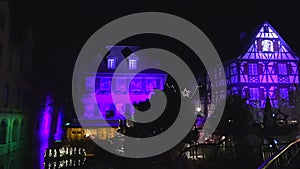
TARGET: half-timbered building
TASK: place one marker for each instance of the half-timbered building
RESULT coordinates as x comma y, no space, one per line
268,67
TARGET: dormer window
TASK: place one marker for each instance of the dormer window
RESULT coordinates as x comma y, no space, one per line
132,64
111,63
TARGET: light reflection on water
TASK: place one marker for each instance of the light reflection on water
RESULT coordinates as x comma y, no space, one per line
33,158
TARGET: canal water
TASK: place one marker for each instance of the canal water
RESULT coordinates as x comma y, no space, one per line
33,158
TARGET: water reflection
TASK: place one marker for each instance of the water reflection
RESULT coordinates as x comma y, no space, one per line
33,158
65,163
64,157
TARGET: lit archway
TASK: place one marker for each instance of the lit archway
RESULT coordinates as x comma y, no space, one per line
15,130
22,130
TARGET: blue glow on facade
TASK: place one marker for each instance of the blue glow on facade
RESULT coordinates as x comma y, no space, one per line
44,130
138,89
59,127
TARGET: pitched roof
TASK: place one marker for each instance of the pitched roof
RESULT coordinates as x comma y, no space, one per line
248,40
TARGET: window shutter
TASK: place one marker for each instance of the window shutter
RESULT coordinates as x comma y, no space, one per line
261,69
259,47
246,68
275,45
289,69
277,93
275,67
247,93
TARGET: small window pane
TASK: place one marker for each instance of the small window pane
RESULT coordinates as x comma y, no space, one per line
282,69
132,64
252,69
111,63
254,94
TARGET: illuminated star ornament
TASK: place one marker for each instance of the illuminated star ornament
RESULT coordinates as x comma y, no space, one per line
185,93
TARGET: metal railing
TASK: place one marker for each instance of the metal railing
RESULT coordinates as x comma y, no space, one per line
283,157
205,151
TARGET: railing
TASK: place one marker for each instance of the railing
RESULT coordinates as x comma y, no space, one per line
207,151
283,157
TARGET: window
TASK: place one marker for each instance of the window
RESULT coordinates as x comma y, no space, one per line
111,63
254,94
266,29
105,85
282,70
136,85
3,131
252,69
284,94
121,86
132,64
267,46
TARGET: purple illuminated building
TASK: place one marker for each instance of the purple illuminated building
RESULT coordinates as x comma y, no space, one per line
267,67
138,89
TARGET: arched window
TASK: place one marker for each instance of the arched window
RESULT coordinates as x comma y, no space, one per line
23,130
3,132
15,131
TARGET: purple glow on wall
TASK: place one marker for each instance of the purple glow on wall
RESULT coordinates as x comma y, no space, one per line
46,119
267,68
45,125
141,89
59,128
44,145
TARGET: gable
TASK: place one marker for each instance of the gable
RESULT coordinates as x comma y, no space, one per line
268,44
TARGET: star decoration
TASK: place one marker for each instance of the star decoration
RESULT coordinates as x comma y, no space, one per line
185,93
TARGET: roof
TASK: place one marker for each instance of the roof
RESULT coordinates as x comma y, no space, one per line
249,39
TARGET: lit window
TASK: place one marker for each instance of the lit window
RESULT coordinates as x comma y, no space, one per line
254,94
151,84
267,46
132,64
111,63
282,69
252,69
135,85
105,85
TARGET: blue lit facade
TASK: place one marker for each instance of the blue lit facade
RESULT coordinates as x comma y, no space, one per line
268,67
141,88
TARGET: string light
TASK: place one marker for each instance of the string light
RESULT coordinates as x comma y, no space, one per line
184,92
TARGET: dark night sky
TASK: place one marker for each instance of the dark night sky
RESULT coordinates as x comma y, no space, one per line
61,29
